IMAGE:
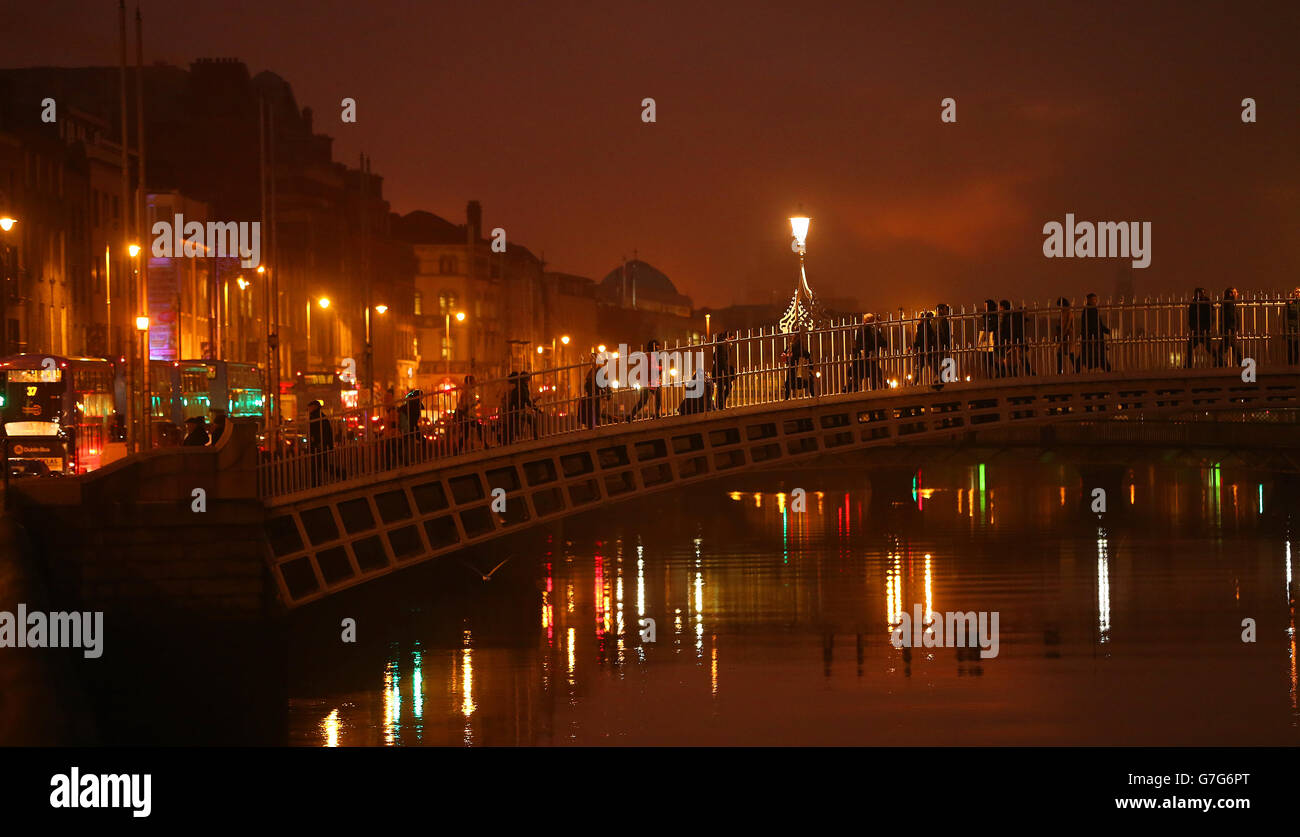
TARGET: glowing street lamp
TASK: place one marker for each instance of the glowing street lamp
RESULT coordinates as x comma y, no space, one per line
6,224
146,417
804,310
799,226
324,303
460,318
133,249
370,354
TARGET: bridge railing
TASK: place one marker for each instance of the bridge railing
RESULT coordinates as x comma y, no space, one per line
764,366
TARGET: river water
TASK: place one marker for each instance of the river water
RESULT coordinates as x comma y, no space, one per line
773,598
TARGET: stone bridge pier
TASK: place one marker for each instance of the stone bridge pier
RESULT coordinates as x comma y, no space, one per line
175,530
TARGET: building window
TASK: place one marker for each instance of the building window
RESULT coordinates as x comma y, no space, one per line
446,302
447,264
419,303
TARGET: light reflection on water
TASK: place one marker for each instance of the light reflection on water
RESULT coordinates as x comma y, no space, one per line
772,625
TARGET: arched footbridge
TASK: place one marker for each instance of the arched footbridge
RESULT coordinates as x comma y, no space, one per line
387,496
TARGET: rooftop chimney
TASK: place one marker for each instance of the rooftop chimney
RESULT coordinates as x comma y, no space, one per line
474,221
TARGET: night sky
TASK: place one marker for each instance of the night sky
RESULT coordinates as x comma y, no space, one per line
1112,111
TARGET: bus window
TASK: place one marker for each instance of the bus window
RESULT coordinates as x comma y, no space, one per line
245,392
195,401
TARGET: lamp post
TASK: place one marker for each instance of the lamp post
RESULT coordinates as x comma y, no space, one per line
6,224
146,436
270,308
242,283
804,308
370,355
460,318
799,226
324,303
140,422
564,355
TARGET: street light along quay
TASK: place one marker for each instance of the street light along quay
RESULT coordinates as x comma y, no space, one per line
460,318
142,429
146,412
370,355
324,303
6,224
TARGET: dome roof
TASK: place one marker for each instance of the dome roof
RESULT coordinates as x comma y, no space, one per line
649,283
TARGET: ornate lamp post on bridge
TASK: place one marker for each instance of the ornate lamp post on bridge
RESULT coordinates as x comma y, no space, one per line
804,310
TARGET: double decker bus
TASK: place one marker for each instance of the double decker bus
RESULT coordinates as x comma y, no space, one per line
327,387
58,414
187,389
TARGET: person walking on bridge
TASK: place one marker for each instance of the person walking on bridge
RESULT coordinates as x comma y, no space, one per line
219,425
943,330
925,346
1291,330
593,413
519,408
1200,320
1228,323
798,366
864,371
197,432
466,420
724,369
320,440
650,391
408,424
1094,336
1063,337
989,340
